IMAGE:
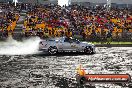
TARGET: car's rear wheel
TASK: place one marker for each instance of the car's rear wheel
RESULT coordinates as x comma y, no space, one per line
88,50
52,50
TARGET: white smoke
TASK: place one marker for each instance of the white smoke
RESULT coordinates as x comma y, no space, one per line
13,47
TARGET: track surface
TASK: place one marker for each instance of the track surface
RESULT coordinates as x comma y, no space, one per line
45,71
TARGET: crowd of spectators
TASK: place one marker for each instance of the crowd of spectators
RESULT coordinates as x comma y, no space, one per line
53,21
8,19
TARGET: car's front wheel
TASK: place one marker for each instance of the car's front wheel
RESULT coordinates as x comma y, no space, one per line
52,50
88,50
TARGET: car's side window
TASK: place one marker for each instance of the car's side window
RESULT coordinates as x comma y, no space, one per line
67,40
73,40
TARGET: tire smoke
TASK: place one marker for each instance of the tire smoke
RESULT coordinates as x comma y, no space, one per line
14,47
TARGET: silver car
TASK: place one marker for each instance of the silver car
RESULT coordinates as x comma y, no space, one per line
65,44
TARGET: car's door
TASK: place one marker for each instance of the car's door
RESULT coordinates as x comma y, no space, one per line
80,47
74,45
67,44
77,45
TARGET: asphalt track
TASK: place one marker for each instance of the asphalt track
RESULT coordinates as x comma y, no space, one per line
58,71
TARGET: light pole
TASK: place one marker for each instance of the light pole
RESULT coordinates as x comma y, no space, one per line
69,2
108,5
15,1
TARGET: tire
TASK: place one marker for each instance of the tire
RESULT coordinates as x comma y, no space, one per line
88,50
52,50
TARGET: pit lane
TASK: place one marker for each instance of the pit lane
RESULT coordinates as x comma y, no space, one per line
58,71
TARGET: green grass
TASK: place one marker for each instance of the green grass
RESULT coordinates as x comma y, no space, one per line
113,43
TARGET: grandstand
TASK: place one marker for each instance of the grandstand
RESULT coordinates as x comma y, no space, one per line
48,20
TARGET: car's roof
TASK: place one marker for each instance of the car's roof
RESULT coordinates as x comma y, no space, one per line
56,38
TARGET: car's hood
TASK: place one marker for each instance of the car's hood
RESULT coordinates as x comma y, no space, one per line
87,43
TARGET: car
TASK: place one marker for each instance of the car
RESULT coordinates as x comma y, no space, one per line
65,44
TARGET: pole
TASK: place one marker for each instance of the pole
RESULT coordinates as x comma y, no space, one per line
69,2
108,5
15,1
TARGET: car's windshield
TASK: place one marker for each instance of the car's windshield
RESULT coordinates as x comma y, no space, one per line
72,40
75,41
